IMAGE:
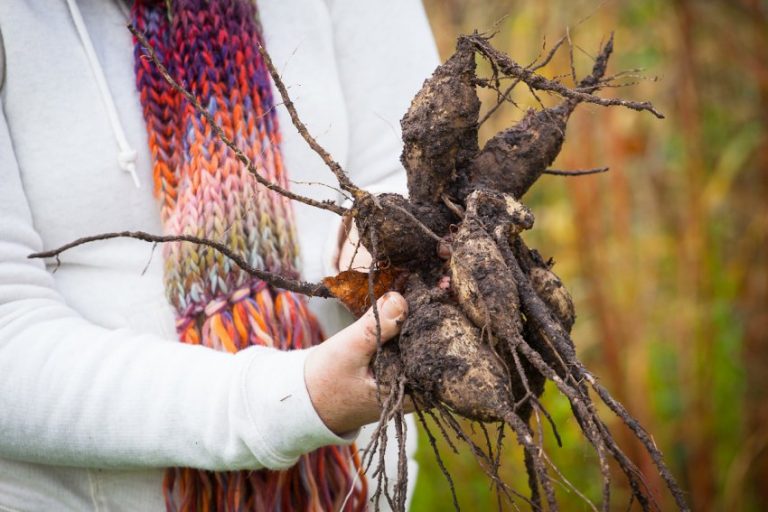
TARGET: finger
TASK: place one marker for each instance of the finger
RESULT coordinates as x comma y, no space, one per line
360,337
392,309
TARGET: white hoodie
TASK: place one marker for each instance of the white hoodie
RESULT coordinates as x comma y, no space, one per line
96,394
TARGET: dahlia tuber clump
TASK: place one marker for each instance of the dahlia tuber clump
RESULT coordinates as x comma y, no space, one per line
489,320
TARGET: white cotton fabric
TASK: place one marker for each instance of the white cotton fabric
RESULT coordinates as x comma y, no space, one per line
96,394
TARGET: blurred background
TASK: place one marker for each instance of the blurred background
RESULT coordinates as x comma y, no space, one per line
665,255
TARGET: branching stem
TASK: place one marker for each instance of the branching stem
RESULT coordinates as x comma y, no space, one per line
536,81
344,182
576,172
276,280
242,157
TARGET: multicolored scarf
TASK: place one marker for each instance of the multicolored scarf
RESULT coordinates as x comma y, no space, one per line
210,46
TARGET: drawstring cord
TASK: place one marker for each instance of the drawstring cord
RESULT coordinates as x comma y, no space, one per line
126,157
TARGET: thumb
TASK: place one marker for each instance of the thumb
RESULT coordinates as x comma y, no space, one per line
360,337
336,371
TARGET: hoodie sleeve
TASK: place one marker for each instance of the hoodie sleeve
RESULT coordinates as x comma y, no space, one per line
77,394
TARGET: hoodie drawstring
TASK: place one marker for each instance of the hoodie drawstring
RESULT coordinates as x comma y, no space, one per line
126,158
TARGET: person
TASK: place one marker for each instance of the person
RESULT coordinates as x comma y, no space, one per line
98,398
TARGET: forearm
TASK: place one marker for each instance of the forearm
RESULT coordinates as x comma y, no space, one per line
77,394
81,394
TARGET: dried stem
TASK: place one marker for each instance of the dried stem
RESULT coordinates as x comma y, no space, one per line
344,182
570,55
576,172
535,81
276,280
505,95
242,157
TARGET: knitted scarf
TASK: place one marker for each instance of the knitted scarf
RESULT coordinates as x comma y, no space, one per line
210,46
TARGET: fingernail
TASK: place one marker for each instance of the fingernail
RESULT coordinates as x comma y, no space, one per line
392,309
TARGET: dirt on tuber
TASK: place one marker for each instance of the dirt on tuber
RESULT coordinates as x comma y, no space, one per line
489,320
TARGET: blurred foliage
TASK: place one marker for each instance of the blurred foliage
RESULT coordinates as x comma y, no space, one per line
665,255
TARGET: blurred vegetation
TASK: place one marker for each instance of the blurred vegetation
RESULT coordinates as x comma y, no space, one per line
665,255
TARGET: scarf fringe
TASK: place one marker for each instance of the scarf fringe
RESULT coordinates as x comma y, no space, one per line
321,480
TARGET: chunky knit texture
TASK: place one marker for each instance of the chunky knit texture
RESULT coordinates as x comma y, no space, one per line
212,48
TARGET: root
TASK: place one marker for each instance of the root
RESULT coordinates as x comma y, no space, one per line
553,426
372,290
438,458
401,486
533,480
535,310
499,444
583,408
486,462
642,435
526,441
571,487
392,408
444,432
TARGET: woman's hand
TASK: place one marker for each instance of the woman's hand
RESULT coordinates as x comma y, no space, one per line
337,372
